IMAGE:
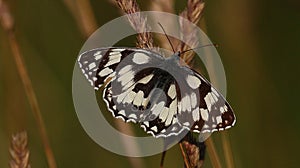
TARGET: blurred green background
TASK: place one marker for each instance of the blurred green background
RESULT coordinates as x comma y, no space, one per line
258,41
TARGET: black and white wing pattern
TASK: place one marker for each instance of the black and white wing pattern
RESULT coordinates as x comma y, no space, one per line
160,94
98,65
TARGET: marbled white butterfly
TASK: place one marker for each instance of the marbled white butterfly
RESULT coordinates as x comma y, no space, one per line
162,95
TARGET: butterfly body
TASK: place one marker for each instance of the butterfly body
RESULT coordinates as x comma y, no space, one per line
161,94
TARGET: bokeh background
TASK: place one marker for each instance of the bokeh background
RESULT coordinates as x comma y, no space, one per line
259,45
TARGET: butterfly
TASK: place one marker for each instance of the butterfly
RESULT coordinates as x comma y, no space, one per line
161,94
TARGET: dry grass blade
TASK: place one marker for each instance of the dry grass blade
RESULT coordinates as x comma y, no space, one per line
227,149
7,23
192,13
83,15
138,22
214,158
19,151
130,146
86,21
164,6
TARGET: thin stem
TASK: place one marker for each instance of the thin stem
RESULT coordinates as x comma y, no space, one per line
185,159
7,23
192,13
214,158
83,14
227,149
163,159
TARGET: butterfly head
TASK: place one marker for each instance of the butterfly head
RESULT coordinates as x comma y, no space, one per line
175,58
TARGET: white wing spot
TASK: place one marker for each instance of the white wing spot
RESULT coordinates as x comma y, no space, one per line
164,114
97,53
92,65
186,124
140,58
219,119
111,62
222,109
125,69
129,84
208,101
172,111
205,126
118,49
172,91
196,114
132,116
157,108
126,78
97,57
129,98
186,103
105,72
193,100
204,114
154,128
116,56
114,53
122,112
173,106
138,98
146,79
193,81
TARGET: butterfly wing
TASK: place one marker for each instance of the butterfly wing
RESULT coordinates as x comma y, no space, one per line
165,101
98,65
138,94
215,112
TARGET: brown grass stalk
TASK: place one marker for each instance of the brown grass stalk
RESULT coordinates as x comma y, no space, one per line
185,158
164,6
227,149
19,151
212,152
86,21
192,13
7,23
83,14
129,145
138,22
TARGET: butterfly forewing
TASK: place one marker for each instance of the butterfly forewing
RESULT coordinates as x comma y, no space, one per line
100,64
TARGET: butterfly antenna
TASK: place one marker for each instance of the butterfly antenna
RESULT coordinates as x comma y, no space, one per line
207,45
167,36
